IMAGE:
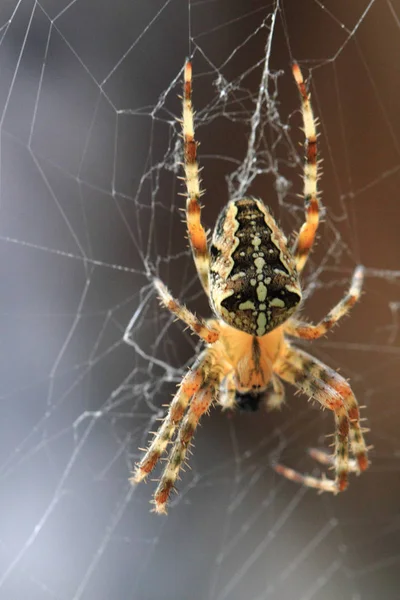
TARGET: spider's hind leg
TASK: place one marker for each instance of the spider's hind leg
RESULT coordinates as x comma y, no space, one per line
333,392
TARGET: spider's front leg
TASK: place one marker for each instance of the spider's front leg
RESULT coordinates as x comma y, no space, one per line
196,231
306,236
332,391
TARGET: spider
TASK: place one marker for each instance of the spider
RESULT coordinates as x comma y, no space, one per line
251,278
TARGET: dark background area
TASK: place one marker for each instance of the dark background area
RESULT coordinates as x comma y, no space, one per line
89,207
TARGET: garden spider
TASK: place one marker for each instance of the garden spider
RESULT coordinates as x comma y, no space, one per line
252,280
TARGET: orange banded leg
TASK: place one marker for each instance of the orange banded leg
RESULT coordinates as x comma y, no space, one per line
306,236
197,325
311,332
189,386
196,232
198,406
357,441
325,380
322,383
340,462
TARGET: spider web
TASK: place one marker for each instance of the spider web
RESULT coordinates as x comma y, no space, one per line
90,154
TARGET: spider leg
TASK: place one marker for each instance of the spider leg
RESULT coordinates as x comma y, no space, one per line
189,386
332,391
276,398
329,459
200,403
309,331
197,325
306,236
196,232
227,392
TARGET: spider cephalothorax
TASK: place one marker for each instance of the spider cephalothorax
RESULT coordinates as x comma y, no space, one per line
251,277
254,285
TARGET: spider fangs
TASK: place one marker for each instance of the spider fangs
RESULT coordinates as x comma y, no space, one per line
251,277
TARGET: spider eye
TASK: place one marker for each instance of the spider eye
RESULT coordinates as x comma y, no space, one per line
249,402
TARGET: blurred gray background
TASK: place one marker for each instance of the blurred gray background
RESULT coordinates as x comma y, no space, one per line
90,207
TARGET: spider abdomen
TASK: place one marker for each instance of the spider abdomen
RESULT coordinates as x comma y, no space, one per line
254,284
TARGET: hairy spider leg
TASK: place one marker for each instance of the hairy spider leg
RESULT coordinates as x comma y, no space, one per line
198,326
200,404
309,331
189,386
196,232
306,236
329,459
318,381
